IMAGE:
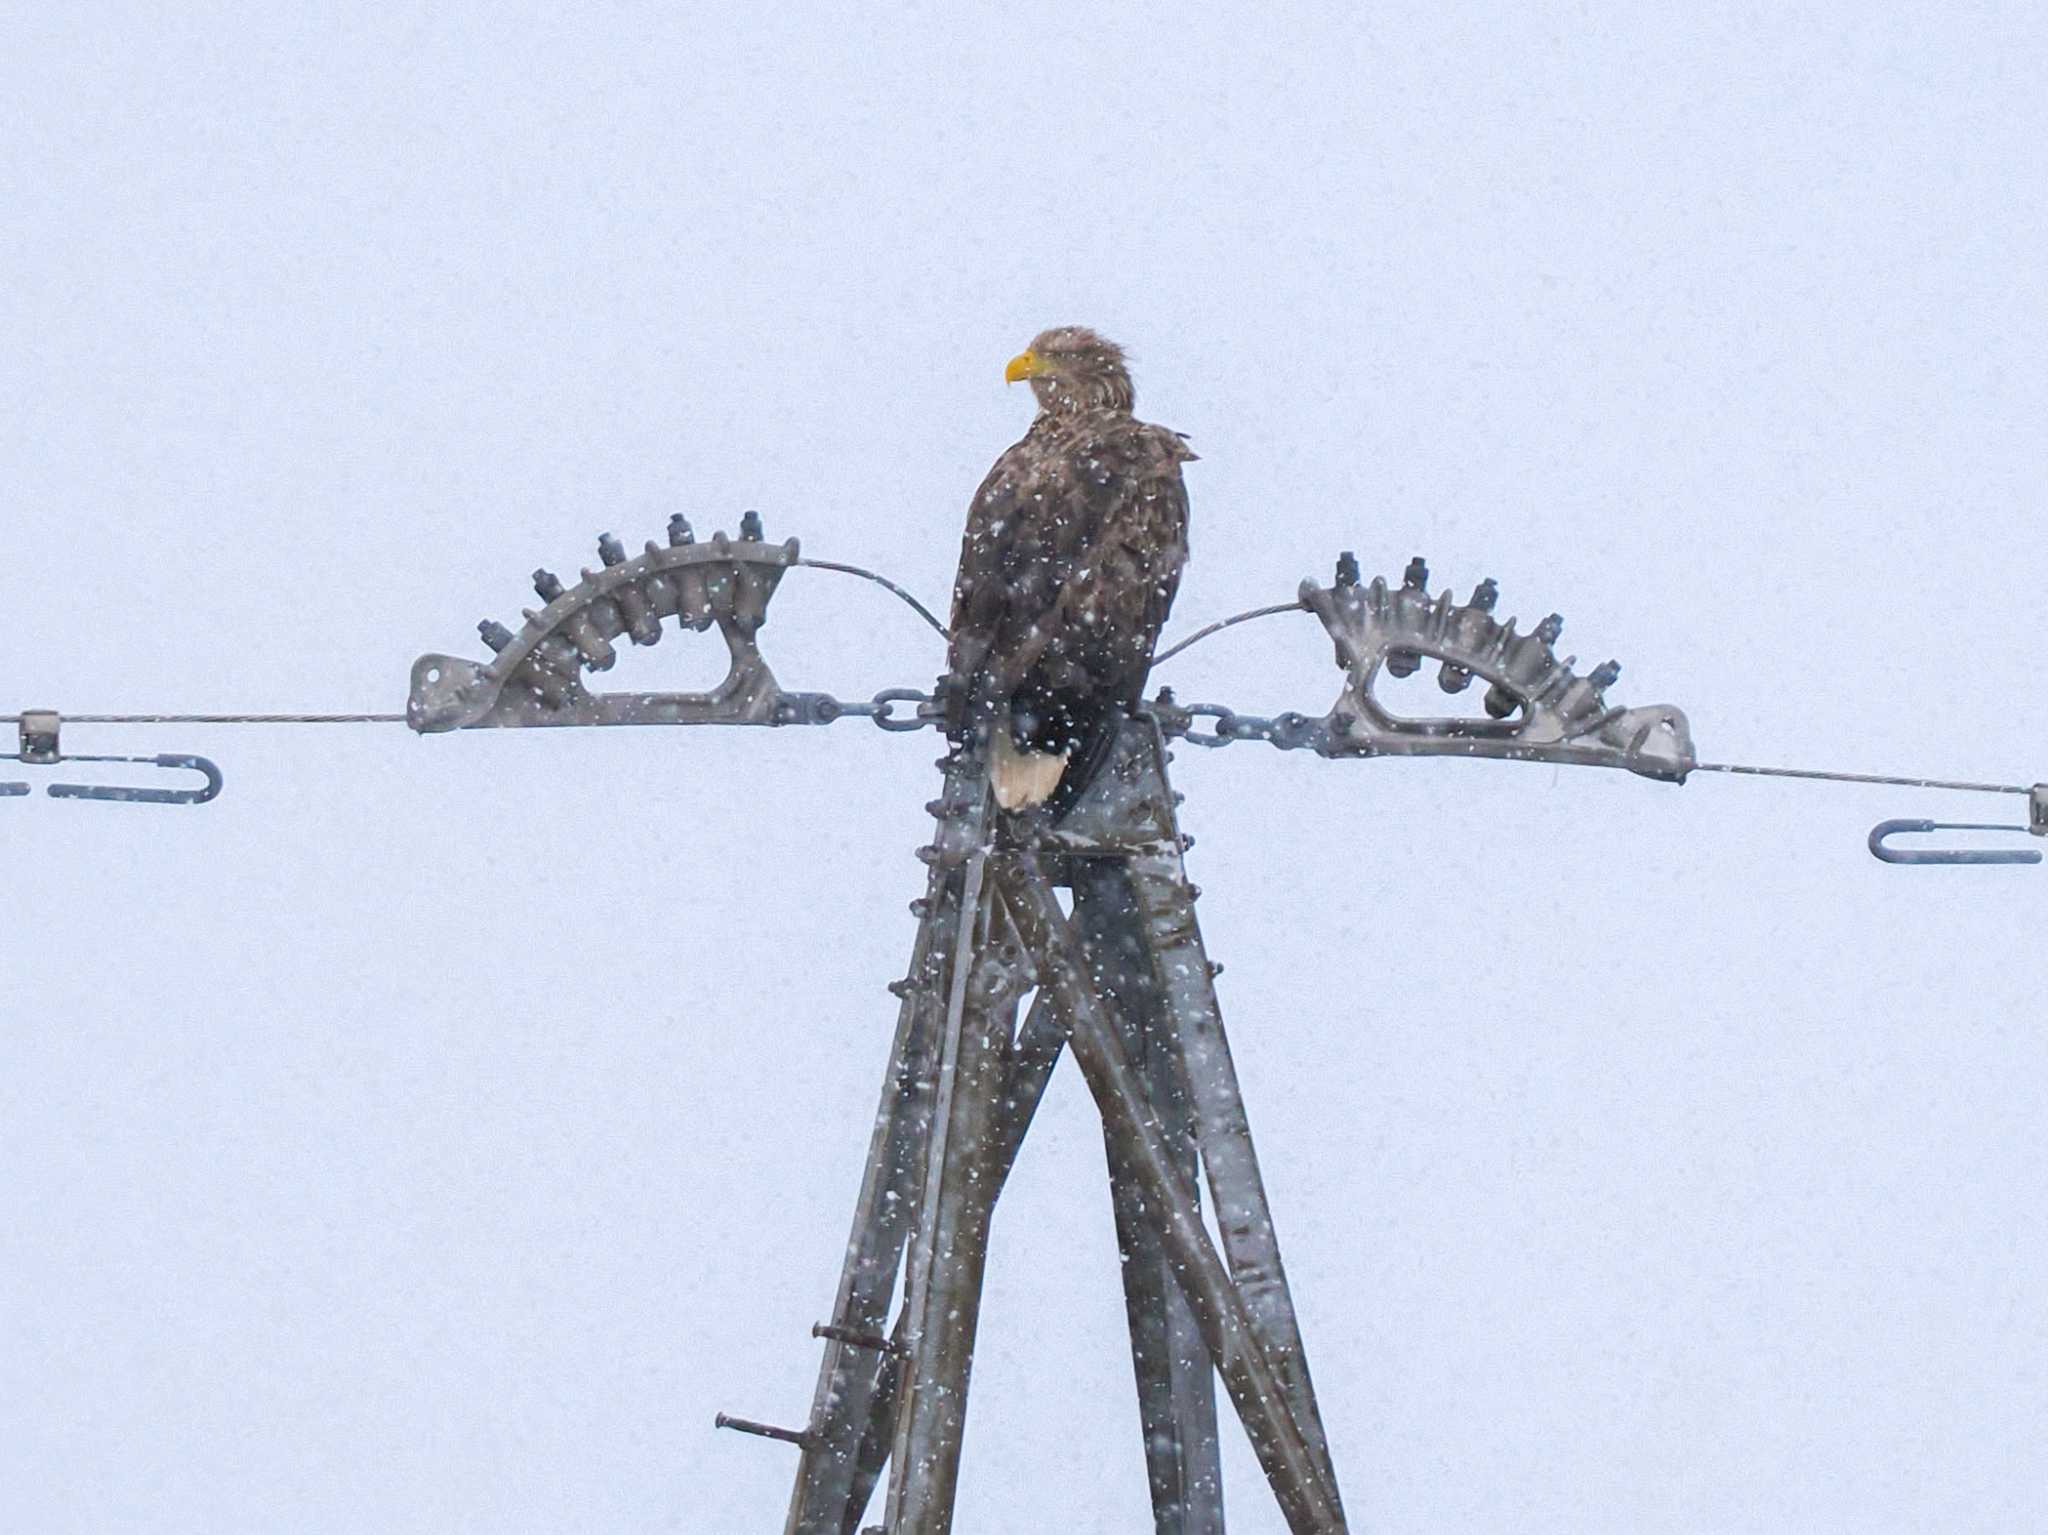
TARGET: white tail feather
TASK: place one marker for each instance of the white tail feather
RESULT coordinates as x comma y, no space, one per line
1021,778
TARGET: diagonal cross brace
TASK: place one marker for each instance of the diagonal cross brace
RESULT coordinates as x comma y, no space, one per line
1290,1459
1175,1376
1223,1133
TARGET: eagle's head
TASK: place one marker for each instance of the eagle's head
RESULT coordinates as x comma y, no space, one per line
1073,369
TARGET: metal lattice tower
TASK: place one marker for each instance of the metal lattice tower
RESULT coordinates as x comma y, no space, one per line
1124,983
1126,986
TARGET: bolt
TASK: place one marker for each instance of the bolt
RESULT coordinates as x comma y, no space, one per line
679,531
495,634
1347,569
1416,577
854,1337
610,550
1485,595
803,1439
547,584
1606,674
750,527
1550,628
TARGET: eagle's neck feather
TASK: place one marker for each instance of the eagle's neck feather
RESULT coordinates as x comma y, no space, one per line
1106,389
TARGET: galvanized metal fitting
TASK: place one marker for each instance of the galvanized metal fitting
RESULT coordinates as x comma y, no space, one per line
1542,710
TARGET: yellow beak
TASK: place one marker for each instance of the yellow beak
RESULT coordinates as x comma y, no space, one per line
1024,365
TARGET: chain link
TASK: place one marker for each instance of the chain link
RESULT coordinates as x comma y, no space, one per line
1291,731
924,714
824,709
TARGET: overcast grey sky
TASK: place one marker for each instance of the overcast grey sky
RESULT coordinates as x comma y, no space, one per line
432,1134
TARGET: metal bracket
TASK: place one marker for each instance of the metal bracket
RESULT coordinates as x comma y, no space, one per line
40,729
537,676
1541,710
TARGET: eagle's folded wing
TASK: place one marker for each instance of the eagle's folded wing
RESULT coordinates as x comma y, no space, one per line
1071,559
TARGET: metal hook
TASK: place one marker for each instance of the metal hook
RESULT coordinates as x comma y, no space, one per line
1884,829
40,748
135,794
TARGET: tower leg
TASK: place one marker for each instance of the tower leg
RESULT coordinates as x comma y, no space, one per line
852,1419
856,1383
949,1250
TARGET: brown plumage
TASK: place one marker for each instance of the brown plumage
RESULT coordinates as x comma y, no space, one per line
1073,552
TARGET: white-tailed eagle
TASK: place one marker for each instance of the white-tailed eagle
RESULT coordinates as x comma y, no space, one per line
1074,549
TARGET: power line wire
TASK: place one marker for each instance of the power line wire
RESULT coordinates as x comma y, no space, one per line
1966,786
1877,778
221,719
